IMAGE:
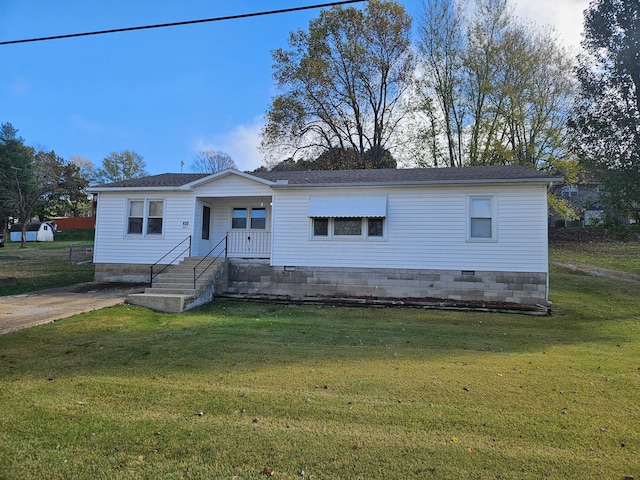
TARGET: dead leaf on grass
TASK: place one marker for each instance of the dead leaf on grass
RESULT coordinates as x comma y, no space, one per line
268,472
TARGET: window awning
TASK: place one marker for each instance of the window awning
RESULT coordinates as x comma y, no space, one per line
347,206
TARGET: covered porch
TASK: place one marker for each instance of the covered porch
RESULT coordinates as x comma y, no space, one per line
244,223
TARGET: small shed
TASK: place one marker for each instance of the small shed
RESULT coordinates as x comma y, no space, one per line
36,232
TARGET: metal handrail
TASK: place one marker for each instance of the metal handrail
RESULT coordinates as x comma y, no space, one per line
195,278
152,276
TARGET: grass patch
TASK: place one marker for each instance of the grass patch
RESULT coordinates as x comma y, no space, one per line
232,389
44,265
623,256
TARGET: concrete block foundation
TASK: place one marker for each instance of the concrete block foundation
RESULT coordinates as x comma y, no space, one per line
255,276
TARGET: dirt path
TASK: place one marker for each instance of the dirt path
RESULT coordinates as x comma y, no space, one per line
30,309
594,271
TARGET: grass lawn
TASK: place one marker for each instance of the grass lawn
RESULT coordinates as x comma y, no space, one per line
614,255
239,390
44,264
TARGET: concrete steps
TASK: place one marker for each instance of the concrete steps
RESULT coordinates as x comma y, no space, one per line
173,291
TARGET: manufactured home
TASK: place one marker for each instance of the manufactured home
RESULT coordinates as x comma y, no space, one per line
475,233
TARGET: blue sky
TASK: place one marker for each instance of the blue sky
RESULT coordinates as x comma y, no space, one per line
164,93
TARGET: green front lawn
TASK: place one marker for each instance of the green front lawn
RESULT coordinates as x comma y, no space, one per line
238,390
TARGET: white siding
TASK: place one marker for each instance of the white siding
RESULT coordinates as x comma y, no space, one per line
113,245
425,229
232,186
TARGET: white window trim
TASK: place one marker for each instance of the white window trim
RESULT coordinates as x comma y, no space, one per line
249,210
145,217
364,235
494,217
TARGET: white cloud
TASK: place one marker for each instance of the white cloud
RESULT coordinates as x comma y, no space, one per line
241,144
565,16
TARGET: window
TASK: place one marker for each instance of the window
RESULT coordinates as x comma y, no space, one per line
258,218
136,217
239,218
145,216
320,227
481,218
347,227
206,222
253,218
374,227
154,222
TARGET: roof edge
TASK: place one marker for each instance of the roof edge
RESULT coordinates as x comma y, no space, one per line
499,181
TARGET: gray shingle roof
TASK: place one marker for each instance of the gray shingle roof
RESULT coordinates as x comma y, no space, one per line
162,180
407,176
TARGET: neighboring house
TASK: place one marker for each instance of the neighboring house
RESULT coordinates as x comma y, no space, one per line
476,233
36,232
584,197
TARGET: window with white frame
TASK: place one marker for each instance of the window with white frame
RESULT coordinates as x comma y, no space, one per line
258,218
343,228
481,218
239,218
252,218
145,217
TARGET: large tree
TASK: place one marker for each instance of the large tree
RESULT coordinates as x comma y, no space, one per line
605,121
118,166
341,83
25,181
494,90
441,53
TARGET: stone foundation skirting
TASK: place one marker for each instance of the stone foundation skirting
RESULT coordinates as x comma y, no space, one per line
258,277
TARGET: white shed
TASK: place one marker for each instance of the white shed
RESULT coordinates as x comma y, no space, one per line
475,233
35,232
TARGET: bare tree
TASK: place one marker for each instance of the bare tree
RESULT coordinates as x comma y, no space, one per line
494,90
212,161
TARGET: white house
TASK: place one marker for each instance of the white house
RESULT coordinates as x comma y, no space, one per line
475,233
35,232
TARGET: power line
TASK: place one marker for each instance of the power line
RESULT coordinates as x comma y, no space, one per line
176,24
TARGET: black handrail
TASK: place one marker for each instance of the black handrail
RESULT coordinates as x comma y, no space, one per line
195,278
152,276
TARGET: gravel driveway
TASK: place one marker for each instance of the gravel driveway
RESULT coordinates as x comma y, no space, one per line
30,309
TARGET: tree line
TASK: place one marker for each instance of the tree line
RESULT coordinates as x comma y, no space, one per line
41,184
477,86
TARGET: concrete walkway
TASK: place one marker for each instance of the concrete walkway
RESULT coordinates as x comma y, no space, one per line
30,309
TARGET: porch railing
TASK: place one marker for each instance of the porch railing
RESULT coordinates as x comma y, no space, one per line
210,260
178,255
249,243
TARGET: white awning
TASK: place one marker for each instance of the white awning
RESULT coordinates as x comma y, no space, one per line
347,206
